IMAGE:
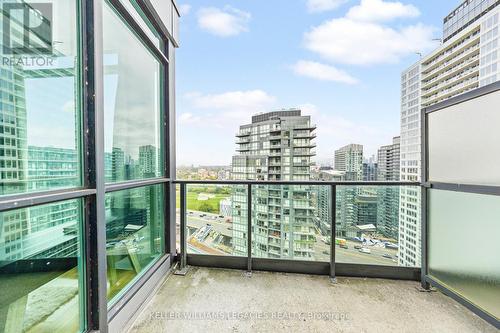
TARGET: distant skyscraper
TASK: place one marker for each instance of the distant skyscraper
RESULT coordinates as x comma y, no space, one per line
388,197
350,160
324,199
468,59
388,158
370,170
277,145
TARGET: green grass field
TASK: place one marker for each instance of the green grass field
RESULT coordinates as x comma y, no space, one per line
209,206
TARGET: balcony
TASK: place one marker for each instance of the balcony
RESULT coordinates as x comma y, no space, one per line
98,235
271,302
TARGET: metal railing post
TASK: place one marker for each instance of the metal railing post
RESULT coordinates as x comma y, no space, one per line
183,264
333,219
423,203
249,230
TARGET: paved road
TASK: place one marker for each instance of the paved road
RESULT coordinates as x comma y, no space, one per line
221,227
322,250
352,255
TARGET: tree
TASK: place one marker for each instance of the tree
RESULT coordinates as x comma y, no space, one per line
206,207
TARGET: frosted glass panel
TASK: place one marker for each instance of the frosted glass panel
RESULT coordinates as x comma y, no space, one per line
464,233
464,142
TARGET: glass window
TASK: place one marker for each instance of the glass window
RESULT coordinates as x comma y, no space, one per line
134,234
41,269
132,104
40,103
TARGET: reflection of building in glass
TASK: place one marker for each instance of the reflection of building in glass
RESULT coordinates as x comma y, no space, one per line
47,231
50,167
13,135
108,166
117,165
147,161
277,145
388,207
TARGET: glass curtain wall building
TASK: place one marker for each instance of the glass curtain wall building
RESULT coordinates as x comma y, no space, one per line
85,123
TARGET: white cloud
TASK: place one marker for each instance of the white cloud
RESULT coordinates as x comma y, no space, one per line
224,22
379,11
184,9
348,41
317,6
231,108
188,118
334,131
322,72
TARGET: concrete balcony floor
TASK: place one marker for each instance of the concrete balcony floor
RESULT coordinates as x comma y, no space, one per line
219,298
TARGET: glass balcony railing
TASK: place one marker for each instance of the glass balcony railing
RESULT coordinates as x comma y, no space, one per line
293,221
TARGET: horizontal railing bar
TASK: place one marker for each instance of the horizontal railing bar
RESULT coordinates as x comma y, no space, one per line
135,183
306,267
288,182
39,198
477,189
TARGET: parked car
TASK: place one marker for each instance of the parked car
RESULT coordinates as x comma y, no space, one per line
388,256
365,250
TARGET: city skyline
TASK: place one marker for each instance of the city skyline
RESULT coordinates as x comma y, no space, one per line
216,93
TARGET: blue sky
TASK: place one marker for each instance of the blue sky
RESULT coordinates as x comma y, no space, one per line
338,60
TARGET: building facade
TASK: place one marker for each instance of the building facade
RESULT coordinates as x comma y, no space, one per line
277,145
388,197
349,160
467,60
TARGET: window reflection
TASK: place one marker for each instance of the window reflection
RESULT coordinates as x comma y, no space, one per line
134,234
131,103
39,107
41,272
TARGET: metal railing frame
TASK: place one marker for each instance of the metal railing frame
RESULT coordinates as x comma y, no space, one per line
427,279
249,263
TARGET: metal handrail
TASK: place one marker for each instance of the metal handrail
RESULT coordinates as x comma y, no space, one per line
297,182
